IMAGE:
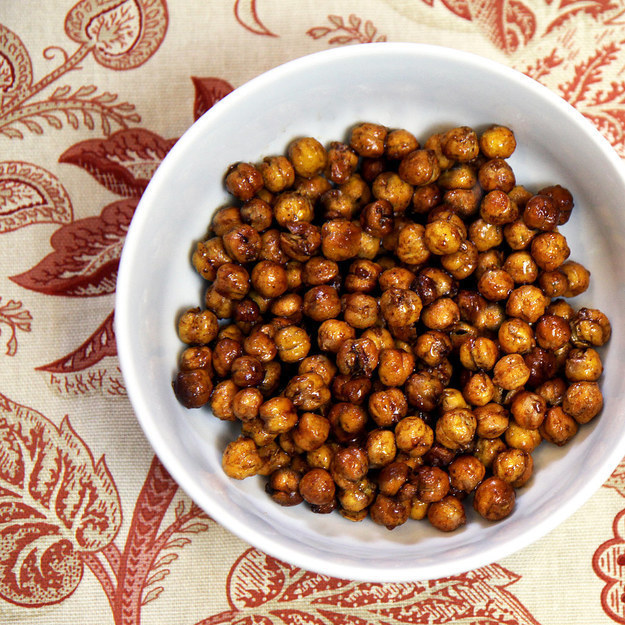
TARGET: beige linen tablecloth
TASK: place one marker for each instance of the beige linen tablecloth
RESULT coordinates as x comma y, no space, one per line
93,95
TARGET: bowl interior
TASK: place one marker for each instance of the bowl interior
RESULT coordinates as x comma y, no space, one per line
424,89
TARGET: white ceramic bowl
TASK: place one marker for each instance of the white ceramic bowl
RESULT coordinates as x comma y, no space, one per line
424,89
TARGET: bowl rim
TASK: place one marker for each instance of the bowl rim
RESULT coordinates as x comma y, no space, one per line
185,479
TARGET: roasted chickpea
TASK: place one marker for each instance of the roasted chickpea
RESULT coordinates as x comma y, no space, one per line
516,336
563,200
269,278
523,438
494,499
590,327
496,284
484,235
278,415
277,172
462,263
414,436
333,333
225,219
400,143
301,240
459,176
347,420
257,213
271,379
528,409
360,310
390,187
464,202
283,487
432,347
368,139
289,306
447,514
558,427
550,250
432,483
342,162
479,389
395,366
527,302
197,327
246,404
193,387
411,244
357,357
553,283
232,281
307,156
350,465
222,398
577,276
396,278
478,353
311,431
340,239
583,401
552,391
497,142
270,248
498,209
510,372
321,303
583,364
460,144
293,344
513,466
552,332
356,189
208,256
419,167
400,307
423,390
317,487
496,173
241,459
380,447
319,364
455,429
465,473
441,314
443,236
312,188
518,234
377,219
242,243
541,213
492,420
389,511
486,450
243,181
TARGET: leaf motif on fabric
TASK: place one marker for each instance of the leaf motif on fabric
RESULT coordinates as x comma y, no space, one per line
55,503
208,91
123,162
616,481
15,66
255,579
86,255
567,9
30,195
246,14
459,7
123,34
15,319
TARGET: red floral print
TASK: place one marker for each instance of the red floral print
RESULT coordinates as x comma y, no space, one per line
208,91
341,31
246,14
13,317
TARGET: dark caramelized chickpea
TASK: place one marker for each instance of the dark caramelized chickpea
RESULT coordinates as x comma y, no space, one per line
257,213
549,250
577,276
527,302
400,307
360,310
441,314
376,218
208,256
460,144
243,181
552,332
269,279
271,379
400,143
484,235
293,344
340,239
464,202
368,139
583,364
193,387
496,174
198,327
311,431
395,366
513,466
307,391
301,240
563,200
225,219
321,303
232,281
197,357
589,327
541,213
542,365
465,473
350,465
357,357
425,198
495,284
423,390
388,406
490,318
440,281
432,347
390,187
246,404
242,244
241,458
432,483
552,391
283,487
333,333
528,409
497,142
307,156
419,167
511,372
222,398
317,487
392,477
498,209
347,420
319,364
414,436
494,499
389,511
342,162
518,234
319,270
270,248
553,283
583,401
225,352
447,514
247,371
558,427
516,336
455,429
470,304
397,278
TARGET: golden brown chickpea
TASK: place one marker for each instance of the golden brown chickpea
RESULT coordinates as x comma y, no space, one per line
271,380
496,173
355,500
552,391
395,366
368,139
333,333
342,162
494,499
257,213
193,387
301,240
441,314
516,336
558,427
414,436
225,219
528,409
443,236
387,406
232,281
208,256
289,305
432,483
490,318
523,438
321,303
225,352
390,187
495,284
455,429
462,263
518,235
293,344
411,246
465,473
492,420
340,239
484,235
369,246
317,487
312,188
307,156
307,391
464,202
419,167
278,415
357,357
311,431
478,353
451,399
197,326
541,213
435,142
553,283
269,279
243,181
447,514
527,302
222,398
197,357
246,404
400,143
460,176
549,250
486,450
380,447
270,248
389,511
319,270
357,189
425,198
552,332
498,209
440,282
487,261
319,364
337,204
321,457
583,401
423,390
513,466
291,206
242,243
400,307
418,509
277,172
522,267
460,144
511,372
347,420
392,477
350,465
241,459
497,142
589,327
432,347
520,195
396,277
577,276
478,390
583,364
283,487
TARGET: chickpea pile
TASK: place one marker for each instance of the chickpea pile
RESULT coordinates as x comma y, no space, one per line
388,323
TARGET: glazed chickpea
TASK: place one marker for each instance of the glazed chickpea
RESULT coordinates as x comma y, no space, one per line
455,429
317,487
523,438
222,399
478,353
269,278
432,347
418,509
362,276
496,284
243,181
423,390
589,327
271,380
389,511
487,261
208,256
465,473
484,235
396,278
460,176
277,172
225,219
350,465
368,139
510,372
577,276
471,304
311,431
513,466
550,250
441,314
496,174
494,499
520,195
400,307
246,404
552,391
411,245
337,204
197,326
563,200
464,202
257,213
301,240
340,239
289,306
440,282
392,477
498,209
318,270
516,336
319,364
291,206
356,189
395,366
381,337
460,144
462,263
347,420
492,420
232,281
552,332
583,401
478,389
414,436
270,248
451,399
521,267
333,333
443,236
400,143
377,219
419,167
307,156
369,246
553,283
558,427
583,364
425,198
241,459
283,487
527,302
193,387
435,142
321,303
225,352
311,188
432,484
518,234
293,344
497,142
486,450
342,162
197,357
321,457
528,409
307,391
390,187
247,371
278,415
355,500
447,514
360,310
260,345
357,357
242,244
541,213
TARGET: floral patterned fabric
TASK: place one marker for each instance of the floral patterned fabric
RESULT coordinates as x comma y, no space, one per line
92,96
